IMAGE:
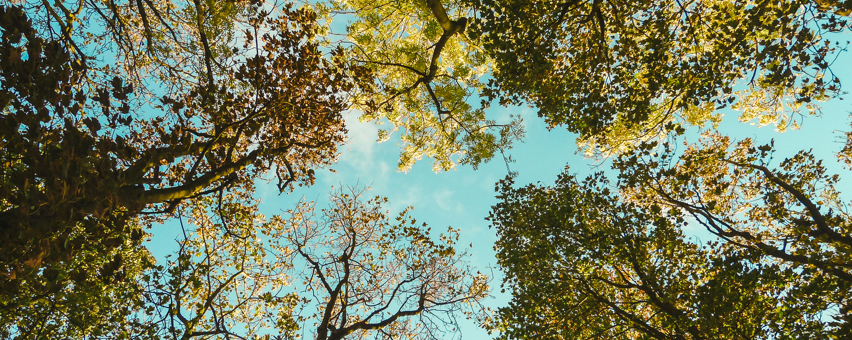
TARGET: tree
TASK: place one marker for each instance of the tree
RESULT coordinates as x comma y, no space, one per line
228,279
239,274
778,266
86,165
595,260
619,73
427,72
375,278
155,46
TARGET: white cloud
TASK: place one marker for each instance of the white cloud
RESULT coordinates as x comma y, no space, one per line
358,152
444,199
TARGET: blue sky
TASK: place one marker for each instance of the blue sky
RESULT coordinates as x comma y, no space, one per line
460,198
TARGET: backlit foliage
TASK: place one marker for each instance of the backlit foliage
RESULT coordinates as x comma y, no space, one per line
83,159
618,72
775,266
429,80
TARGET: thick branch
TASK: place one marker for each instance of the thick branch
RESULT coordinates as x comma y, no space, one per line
325,324
146,25
208,56
133,195
450,28
813,210
440,14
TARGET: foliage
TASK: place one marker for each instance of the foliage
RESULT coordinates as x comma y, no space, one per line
120,114
619,72
228,279
428,72
81,160
377,278
776,267
596,260
364,275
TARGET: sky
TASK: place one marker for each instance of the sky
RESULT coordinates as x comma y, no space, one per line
460,198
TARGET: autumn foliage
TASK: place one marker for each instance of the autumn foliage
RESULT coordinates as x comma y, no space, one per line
118,115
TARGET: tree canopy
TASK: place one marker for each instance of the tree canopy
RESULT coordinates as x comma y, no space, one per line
429,76
117,115
614,260
362,274
84,168
620,72
778,267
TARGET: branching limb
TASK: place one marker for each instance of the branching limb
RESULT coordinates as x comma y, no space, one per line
642,324
727,231
813,210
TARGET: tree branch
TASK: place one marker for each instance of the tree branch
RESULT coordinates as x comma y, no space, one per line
133,194
813,210
643,325
146,25
450,28
208,56
325,324
829,267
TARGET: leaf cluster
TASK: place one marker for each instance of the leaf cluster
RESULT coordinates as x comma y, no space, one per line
618,72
